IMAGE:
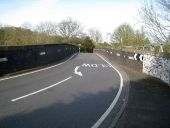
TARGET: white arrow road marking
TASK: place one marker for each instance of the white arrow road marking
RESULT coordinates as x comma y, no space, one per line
76,71
43,89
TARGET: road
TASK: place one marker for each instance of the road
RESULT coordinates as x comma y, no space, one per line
75,94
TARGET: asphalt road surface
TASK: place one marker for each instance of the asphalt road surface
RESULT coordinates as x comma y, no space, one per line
75,94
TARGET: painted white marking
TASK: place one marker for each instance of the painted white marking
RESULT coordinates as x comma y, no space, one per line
3,59
42,53
23,74
43,89
141,57
103,117
94,65
135,56
105,65
76,71
118,54
86,65
111,53
131,58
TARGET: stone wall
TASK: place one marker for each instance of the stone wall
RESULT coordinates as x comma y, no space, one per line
128,59
157,66
154,65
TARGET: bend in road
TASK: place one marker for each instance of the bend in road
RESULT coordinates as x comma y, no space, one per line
78,102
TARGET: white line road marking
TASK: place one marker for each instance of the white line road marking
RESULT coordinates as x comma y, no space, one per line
23,74
76,71
103,117
43,89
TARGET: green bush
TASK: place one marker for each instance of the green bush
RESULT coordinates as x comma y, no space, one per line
166,48
87,45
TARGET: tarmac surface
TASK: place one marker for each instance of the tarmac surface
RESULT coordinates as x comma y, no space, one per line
79,92
148,103
76,94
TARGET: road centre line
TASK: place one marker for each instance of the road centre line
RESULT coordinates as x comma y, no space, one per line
23,74
43,89
106,113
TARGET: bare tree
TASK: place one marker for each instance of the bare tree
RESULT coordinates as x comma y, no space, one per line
165,5
46,32
27,25
48,28
156,18
70,28
95,35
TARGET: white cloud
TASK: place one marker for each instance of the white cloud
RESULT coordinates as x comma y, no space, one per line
104,17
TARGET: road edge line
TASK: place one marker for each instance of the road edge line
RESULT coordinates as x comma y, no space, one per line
106,113
39,70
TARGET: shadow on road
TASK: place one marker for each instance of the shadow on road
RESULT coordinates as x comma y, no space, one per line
148,105
82,112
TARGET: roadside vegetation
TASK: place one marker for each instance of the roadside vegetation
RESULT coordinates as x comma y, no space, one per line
67,31
154,35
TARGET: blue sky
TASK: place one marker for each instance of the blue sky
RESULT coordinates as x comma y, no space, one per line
10,5
104,15
97,1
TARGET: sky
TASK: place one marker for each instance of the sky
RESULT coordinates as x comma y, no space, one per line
105,15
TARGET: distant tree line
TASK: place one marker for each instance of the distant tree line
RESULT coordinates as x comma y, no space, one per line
126,38
155,15
154,33
67,31
125,35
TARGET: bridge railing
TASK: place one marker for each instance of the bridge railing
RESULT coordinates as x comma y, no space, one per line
16,58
